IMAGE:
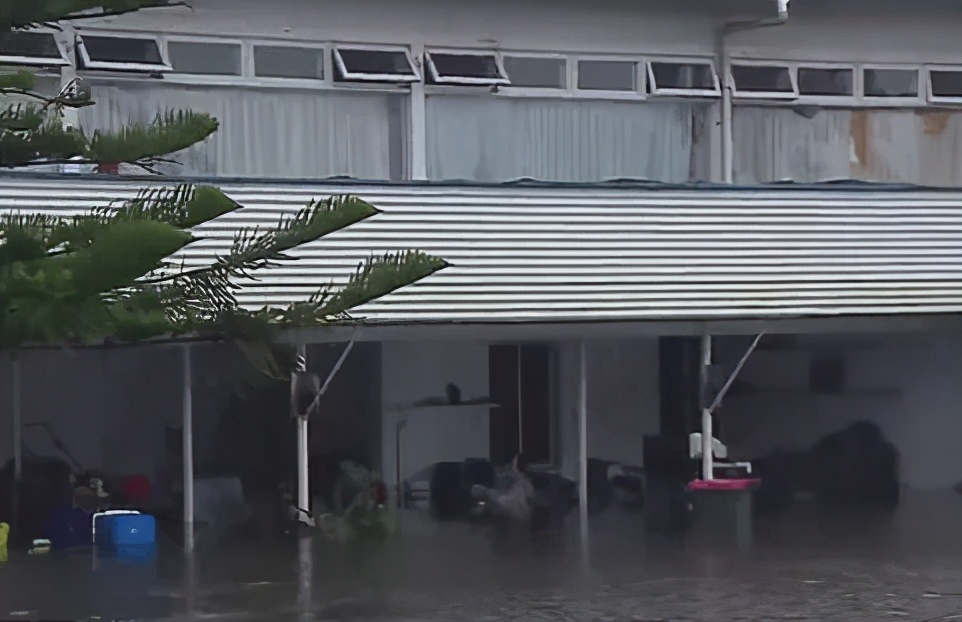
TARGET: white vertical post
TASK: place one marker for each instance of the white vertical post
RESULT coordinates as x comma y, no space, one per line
303,473
188,449
707,434
583,452
520,406
418,126
15,395
305,560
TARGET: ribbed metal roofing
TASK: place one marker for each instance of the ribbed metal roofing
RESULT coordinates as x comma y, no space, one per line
539,253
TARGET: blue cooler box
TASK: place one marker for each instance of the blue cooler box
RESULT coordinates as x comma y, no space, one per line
127,535
116,530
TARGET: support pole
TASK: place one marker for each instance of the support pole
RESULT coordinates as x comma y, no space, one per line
303,449
188,449
734,375
15,394
583,453
305,559
520,406
707,458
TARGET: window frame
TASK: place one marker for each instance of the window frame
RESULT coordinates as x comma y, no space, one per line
36,61
683,93
792,69
437,80
84,63
930,96
543,90
323,50
641,77
889,102
827,100
166,40
351,76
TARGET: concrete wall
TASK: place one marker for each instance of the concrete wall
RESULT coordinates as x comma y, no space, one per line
909,385
412,371
623,402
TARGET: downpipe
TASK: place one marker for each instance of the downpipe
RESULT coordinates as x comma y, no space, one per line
724,70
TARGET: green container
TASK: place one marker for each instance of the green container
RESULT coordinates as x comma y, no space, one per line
722,519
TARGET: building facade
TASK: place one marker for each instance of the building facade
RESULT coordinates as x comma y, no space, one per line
499,91
476,95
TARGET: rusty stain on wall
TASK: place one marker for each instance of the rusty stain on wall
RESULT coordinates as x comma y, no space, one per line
859,132
934,123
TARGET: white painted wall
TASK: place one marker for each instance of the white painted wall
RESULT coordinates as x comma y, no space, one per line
530,25
623,400
414,370
909,385
887,30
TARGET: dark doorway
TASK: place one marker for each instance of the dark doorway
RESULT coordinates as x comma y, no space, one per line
519,378
679,380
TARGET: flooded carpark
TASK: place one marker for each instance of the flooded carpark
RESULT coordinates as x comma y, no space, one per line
810,566
809,560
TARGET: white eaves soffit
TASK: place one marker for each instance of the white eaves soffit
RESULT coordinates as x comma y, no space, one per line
543,254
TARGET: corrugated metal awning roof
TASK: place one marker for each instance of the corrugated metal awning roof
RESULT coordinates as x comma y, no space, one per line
548,253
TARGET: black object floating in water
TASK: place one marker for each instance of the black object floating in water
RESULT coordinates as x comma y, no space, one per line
453,393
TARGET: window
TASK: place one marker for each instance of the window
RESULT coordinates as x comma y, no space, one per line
763,81
826,81
683,78
467,68
288,62
356,64
121,53
537,72
945,85
31,48
891,83
607,75
205,58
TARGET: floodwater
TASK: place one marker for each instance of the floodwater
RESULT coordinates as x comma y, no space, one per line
812,566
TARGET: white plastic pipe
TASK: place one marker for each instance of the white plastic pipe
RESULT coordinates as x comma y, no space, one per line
707,459
726,121
188,449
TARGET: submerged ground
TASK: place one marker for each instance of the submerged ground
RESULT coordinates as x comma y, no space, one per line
810,566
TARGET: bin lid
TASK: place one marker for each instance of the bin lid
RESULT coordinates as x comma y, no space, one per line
724,484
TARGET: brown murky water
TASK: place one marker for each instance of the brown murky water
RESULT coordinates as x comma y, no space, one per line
810,567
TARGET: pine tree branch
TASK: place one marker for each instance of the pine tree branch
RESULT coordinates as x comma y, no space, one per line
22,14
380,276
170,132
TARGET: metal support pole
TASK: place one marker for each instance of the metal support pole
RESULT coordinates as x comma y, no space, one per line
188,449
303,450
520,407
583,453
305,559
15,394
738,368
707,459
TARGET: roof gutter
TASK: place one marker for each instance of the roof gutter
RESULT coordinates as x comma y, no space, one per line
724,64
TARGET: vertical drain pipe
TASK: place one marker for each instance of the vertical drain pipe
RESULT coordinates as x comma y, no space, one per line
723,59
